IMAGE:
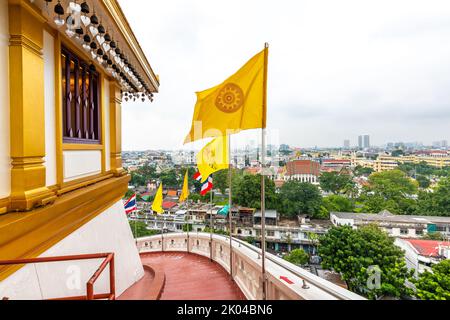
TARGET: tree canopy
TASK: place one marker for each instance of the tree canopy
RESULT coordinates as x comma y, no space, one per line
247,192
336,203
353,253
298,257
362,171
300,198
337,183
434,285
389,190
436,202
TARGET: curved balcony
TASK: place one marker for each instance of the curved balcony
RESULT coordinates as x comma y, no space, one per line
285,281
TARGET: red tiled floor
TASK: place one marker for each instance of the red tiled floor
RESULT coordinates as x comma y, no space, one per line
140,290
192,277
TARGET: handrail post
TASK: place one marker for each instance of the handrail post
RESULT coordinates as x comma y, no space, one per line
89,291
112,278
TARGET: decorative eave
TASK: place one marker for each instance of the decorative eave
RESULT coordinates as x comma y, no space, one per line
115,11
108,43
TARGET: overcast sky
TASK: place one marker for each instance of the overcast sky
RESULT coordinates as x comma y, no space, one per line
337,69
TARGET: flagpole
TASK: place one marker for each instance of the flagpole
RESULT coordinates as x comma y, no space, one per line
263,182
230,213
187,224
211,224
135,223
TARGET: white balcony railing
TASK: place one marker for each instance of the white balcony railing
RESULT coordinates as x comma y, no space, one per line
284,281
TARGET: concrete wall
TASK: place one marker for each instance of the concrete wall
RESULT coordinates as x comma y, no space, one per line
5,161
109,232
49,94
81,164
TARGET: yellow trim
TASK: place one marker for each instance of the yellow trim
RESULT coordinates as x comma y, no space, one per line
4,205
83,182
115,137
103,120
28,235
74,146
27,117
58,112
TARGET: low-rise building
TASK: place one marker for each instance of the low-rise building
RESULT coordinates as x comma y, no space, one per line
303,171
421,255
395,225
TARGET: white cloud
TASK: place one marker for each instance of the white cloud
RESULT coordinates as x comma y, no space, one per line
337,68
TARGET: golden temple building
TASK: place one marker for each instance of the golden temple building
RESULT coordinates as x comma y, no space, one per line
65,68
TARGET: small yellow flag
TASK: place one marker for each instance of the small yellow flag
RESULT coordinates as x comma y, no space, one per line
239,103
185,192
213,157
158,201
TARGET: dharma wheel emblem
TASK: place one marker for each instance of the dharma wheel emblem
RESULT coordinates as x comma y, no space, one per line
230,98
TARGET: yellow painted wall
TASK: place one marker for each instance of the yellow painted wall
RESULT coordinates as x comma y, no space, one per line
5,160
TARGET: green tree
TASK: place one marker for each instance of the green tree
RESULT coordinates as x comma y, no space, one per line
362,171
437,236
436,202
187,227
335,182
298,257
139,229
170,179
247,192
251,240
300,198
336,203
423,181
390,190
352,252
137,180
220,179
434,285
148,172
398,153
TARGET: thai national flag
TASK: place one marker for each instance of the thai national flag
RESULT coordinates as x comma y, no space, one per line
197,176
130,205
206,186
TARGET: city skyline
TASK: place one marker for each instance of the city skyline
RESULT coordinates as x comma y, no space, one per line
384,77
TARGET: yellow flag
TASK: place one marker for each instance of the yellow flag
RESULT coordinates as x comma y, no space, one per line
213,157
239,103
185,192
158,201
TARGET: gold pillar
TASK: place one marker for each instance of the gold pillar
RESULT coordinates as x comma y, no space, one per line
26,64
115,114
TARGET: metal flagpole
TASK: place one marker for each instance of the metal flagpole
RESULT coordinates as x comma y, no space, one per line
135,223
187,224
229,207
263,182
211,224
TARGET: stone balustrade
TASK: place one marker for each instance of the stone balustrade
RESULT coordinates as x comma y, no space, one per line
284,281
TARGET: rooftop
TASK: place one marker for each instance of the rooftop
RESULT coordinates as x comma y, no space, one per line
427,248
389,217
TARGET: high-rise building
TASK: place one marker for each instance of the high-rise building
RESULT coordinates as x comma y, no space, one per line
346,144
366,142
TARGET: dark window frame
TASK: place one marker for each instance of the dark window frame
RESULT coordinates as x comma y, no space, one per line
81,105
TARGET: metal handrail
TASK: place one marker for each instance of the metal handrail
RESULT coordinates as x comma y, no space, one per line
109,259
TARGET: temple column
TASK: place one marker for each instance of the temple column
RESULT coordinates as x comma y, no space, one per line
115,113
26,74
